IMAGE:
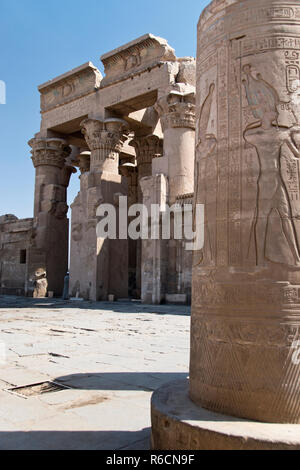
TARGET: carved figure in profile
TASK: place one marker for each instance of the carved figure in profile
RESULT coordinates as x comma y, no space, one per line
268,138
204,167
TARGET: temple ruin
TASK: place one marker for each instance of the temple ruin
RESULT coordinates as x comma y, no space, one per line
245,331
130,133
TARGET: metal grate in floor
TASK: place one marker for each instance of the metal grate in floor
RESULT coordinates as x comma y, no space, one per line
38,389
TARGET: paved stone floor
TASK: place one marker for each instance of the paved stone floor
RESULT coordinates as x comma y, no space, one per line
111,356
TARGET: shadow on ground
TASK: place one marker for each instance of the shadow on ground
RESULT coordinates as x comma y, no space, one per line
76,440
13,302
120,381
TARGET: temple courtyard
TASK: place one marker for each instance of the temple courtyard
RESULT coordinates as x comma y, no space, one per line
80,375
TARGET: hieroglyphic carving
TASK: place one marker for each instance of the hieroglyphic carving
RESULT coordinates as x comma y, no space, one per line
272,197
260,44
53,200
142,54
72,85
222,192
205,157
292,71
262,296
235,139
132,61
245,307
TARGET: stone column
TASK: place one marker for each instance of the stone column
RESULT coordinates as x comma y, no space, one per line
177,114
50,207
154,251
129,171
84,162
105,140
245,332
147,148
105,261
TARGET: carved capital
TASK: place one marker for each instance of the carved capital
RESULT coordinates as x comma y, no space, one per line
177,109
50,151
108,135
147,148
66,174
84,162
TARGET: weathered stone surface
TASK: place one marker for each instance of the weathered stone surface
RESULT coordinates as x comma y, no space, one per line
245,320
40,284
111,380
15,240
140,116
143,53
178,424
49,156
70,86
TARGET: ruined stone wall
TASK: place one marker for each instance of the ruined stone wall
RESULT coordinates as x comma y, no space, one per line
14,247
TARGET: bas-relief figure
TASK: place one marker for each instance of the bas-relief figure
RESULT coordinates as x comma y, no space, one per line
268,138
247,176
272,142
205,167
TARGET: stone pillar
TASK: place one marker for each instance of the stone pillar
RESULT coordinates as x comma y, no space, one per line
105,140
84,162
50,206
99,267
154,250
245,332
147,148
177,114
129,171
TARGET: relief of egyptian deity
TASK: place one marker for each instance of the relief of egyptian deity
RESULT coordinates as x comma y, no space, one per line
205,169
273,225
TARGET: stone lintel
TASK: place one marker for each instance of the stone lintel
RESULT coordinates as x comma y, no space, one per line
143,53
71,85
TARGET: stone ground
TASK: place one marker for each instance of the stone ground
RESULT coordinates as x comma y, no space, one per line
111,356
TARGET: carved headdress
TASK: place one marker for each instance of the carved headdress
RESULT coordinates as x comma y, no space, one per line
262,97
205,114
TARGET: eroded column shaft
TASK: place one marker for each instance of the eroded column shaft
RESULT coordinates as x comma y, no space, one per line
246,280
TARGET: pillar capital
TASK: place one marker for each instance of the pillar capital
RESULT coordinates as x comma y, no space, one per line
49,151
105,140
84,162
109,134
147,148
177,109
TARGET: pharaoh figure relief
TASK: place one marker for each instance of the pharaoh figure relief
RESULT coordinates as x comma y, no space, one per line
205,167
273,216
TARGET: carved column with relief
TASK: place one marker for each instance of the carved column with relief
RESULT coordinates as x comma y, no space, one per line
244,383
177,115
99,267
50,207
147,148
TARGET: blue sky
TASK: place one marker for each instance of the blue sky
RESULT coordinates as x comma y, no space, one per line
42,39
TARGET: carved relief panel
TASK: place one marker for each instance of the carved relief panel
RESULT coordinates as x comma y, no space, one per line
248,147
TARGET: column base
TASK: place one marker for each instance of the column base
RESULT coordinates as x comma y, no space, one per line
178,424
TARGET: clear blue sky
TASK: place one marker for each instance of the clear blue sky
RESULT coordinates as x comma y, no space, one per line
41,39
